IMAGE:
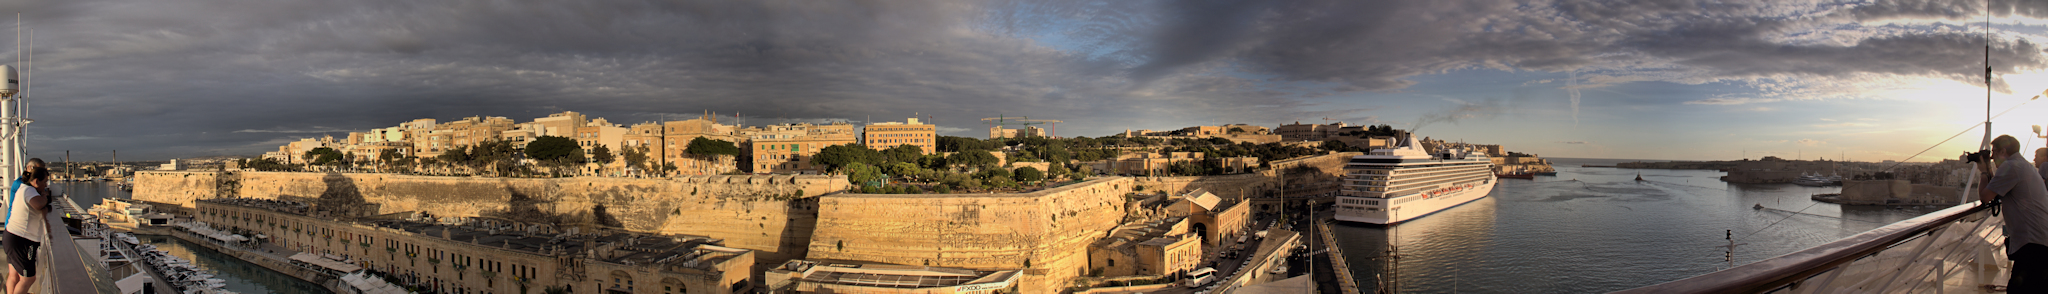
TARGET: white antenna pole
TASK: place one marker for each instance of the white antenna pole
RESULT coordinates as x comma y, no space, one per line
8,117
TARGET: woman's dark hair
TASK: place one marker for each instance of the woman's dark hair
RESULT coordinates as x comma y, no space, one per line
36,170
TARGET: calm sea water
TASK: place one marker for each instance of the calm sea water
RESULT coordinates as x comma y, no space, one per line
1591,230
241,276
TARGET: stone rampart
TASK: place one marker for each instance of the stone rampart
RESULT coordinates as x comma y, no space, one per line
1045,232
1292,177
769,214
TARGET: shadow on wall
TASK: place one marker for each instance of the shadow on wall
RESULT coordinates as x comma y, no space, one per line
343,197
525,208
803,221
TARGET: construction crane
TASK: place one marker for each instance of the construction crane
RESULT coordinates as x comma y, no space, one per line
1023,121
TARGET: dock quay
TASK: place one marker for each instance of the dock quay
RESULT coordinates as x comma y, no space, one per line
1346,282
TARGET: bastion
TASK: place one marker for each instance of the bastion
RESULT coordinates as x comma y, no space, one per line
772,215
1045,233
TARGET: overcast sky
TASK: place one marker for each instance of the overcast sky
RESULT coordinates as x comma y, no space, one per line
164,79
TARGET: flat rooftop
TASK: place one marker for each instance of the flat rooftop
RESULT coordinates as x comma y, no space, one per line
893,276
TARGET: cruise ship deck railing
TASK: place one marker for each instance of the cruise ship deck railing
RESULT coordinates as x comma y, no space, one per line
1961,244
65,268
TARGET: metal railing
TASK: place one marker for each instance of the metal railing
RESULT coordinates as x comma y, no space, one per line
66,269
1957,249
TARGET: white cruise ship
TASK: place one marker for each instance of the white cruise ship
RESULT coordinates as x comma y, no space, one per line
1389,186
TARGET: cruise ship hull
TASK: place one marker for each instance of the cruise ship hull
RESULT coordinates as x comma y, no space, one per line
1394,211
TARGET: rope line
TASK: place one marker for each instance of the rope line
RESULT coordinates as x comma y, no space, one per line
1745,237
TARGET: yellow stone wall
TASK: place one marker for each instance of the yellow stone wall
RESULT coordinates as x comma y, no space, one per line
1046,232
768,214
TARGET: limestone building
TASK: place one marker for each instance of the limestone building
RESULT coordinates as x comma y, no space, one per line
999,132
788,148
1150,163
562,124
479,255
1239,133
676,138
887,135
599,132
1044,234
1312,132
1147,247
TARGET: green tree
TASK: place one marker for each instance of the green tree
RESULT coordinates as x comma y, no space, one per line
387,155
1339,146
903,169
709,146
322,155
993,173
1029,175
552,148
904,153
959,144
457,155
975,158
495,156
603,155
837,156
863,174
636,157
1057,170
1186,168
266,164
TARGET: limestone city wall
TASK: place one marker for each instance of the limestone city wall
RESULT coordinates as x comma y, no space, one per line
1308,173
770,214
1045,232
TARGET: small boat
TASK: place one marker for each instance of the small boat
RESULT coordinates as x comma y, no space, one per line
1547,174
1525,176
1639,177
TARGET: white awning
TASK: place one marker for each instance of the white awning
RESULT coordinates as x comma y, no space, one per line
371,285
326,263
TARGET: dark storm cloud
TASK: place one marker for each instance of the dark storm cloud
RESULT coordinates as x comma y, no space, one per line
176,78
1951,10
1378,45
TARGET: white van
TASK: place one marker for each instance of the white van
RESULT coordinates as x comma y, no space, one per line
1200,277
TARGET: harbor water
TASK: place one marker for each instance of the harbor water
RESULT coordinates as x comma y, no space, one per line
1592,230
241,276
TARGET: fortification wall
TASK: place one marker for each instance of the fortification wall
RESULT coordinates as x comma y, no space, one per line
1292,177
176,187
1046,232
769,214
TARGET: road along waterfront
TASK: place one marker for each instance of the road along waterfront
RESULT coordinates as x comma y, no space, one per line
1590,230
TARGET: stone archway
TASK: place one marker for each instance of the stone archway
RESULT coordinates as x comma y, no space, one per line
1202,230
